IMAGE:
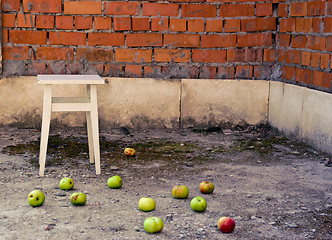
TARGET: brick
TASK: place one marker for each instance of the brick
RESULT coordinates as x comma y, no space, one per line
324,60
42,6
140,24
82,7
316,43
258,24
36,68
214,25
289,56
244,55
281,55
225,72
67,38
178,25
327,24
195,25
297,56
83,22
56,68
299,41
159,24
27,37
270,55
303,25
316,8
287,25
288,73
133,71
52,53
15,53
298,9
321,79
64,22
122,8
113,70
25,20
133,55
5,36
305,58
199,10
103,23
160,9
152,71
122,23
8,20
181,40
244,71
45,21
264,9
75,68
213,41
303,75
329,7
106,39
315,59
233,10
209,56
329,43
94,55
284,40
232,25
316,25
208,72
262,72
254,40
171,55
144,39
282,10
10,5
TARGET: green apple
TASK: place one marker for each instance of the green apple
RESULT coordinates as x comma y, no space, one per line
36,198
146,204
78,198
198,204
153,224
115,182
180,191
130,152
206,187
66,183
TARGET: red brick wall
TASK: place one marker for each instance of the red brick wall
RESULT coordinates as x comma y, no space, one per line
255,39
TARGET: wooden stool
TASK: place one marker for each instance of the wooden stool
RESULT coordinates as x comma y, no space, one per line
58,104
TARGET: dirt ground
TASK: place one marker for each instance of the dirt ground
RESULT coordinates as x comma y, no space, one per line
272,186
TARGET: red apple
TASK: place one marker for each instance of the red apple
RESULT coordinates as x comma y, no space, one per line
206,187
130,152
226,224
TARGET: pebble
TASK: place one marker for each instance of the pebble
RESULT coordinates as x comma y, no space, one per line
291,225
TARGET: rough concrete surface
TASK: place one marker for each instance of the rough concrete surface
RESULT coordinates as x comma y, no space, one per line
273,187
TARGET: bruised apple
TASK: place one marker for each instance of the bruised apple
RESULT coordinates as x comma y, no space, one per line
130,152
206,187
153,224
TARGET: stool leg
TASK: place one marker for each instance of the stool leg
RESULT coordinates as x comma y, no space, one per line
95,127
89,127
47,105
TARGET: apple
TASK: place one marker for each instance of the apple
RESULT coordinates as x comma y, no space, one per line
153,224
206,187
130,152
115,182
66,183
226,224
146,204
78,198
36,198
198,204
180,191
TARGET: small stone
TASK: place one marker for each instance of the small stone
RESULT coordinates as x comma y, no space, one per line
291,225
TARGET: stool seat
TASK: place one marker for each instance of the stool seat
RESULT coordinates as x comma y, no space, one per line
87,104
